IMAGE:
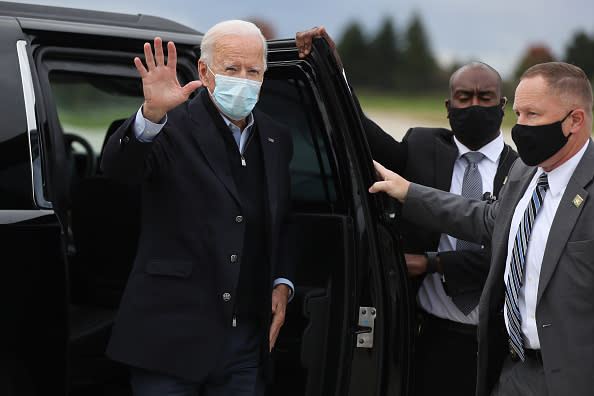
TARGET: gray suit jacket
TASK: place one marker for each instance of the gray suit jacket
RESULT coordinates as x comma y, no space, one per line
565,303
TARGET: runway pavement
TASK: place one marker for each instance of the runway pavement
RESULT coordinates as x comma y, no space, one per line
396,124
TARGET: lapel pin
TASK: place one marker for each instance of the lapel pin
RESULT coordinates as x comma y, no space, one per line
578,200
505,180
271,140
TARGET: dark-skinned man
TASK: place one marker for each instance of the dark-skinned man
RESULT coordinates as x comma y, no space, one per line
449,274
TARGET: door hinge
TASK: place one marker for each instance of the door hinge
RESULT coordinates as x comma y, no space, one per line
365,327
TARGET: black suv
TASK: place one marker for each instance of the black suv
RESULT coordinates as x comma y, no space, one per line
69,234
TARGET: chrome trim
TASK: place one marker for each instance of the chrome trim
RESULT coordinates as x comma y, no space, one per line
29,98
21,216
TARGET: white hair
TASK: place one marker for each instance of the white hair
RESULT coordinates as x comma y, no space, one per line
226,28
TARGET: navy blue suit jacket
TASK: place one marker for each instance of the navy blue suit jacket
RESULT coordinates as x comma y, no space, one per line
178,304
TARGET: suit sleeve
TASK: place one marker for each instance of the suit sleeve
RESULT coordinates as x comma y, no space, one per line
465,271
130,160
384,148
441,211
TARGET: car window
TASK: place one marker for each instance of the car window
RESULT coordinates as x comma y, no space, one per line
286,97
15,172
87,104
17,104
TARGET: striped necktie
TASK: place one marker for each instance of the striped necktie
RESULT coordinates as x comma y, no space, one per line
515,277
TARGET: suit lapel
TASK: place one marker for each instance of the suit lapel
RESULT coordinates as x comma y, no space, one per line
207,132
566,217
515,189
270,144
506,159
445,157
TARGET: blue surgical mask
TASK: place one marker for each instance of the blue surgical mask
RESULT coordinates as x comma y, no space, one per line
236,97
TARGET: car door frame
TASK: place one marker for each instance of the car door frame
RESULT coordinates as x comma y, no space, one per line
380,279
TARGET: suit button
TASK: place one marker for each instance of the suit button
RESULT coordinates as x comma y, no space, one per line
226,297
233,258
124,140
239,219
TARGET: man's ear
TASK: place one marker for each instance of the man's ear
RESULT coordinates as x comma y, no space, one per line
203,73
503,103
577,119
447,105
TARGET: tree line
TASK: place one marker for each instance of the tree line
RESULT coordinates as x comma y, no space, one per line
404,61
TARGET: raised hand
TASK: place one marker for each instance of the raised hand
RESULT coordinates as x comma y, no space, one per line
392,183
162,91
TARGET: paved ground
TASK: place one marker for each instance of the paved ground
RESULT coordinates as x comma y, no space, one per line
397,124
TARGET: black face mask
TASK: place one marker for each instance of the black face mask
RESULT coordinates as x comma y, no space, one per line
538,143
475,126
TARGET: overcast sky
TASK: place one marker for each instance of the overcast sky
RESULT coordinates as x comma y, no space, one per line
495,32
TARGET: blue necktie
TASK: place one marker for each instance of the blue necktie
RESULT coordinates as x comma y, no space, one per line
515,277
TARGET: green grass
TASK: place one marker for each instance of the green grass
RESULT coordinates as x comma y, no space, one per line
98,117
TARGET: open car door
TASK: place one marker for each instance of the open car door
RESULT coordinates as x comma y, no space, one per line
349,329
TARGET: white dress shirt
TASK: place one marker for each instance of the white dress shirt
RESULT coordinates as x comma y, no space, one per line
431,296
558,179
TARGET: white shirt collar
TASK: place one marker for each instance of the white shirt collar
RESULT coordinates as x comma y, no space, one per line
559,177
491,150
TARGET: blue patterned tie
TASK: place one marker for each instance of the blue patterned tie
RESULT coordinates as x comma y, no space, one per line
515,277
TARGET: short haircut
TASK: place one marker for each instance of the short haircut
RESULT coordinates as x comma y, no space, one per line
234,27
566,80
478,65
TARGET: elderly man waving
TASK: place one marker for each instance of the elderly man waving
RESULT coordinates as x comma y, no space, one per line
196,316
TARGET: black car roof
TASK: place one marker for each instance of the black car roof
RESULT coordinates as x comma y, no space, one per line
33,16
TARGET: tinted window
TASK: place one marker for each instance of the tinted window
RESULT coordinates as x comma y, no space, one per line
15,172
88,104
16,183
286,96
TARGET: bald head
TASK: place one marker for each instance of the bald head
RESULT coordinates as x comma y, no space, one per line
474,70
475,84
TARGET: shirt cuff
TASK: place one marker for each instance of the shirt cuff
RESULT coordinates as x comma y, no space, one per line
284,281
146,130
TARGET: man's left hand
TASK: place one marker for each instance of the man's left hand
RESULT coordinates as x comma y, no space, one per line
304,39
280,297
416,263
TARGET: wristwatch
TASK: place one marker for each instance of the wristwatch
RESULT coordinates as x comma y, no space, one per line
431,261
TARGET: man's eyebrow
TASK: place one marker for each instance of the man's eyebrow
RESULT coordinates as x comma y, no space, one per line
232,64
471,92
463,92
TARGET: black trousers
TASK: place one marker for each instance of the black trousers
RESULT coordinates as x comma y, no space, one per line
445,357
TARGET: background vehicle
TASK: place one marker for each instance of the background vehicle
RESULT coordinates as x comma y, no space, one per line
69,234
